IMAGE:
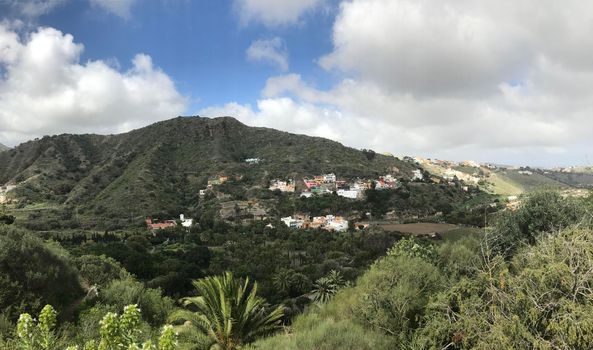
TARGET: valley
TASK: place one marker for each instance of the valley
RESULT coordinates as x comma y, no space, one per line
194,198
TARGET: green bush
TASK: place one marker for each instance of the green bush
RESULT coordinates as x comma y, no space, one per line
155,307
315,333
100,270
541,212
34,273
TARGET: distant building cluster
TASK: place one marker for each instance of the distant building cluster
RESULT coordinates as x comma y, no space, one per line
327,222
328,183
185,222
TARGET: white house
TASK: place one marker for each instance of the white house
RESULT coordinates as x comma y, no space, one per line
417,175
337,224
306,194
292,223
329,178
252,160
352,194
186,222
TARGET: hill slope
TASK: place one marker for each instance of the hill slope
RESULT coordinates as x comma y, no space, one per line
3,148
162,166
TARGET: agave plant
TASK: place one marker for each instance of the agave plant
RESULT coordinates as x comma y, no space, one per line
226,314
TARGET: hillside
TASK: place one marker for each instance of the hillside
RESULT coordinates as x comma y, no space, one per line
455,295
163,166
502,180
3,148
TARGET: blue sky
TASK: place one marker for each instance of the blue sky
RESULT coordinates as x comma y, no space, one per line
200,44
452,79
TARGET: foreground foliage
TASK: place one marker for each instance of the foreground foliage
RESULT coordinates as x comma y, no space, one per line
228,313
117,332
469,294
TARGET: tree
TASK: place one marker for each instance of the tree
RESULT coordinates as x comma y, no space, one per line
228,313
369,153
290,283
326,287
100,270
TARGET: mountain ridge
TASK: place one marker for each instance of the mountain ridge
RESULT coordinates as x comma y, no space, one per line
165,164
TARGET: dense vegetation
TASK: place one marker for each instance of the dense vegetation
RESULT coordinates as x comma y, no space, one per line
469,293
525,283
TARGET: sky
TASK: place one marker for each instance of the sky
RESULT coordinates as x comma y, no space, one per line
502,81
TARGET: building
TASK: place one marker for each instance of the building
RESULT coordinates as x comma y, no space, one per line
387,181
306,194
310,183
470,163
292,222
329,178
252,160
283,186
160,225
186,222
327,222
338,224
352,194
417,175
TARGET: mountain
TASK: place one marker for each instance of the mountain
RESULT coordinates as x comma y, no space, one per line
164,165
507,180
3,148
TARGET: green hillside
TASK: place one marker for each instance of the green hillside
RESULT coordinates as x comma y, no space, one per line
521,292
163,166
526,183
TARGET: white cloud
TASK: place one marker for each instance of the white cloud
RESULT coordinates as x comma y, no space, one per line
274,12
33,8
47,90
271,51
507,81
121,8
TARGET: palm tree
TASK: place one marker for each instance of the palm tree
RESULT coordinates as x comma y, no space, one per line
283,280
326,287
323,290
225,315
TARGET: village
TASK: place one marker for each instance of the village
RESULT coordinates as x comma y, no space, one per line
319,185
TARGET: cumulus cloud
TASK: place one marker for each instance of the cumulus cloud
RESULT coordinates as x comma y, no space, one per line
45,89
121,8
274,12
32,8
271,51
503,81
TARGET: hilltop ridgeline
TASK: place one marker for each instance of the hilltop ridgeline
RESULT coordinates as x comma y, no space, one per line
165,164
